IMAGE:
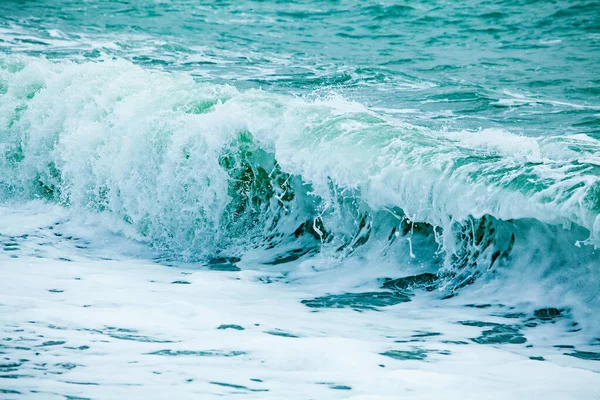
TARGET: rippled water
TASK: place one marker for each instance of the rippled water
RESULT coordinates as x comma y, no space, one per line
305,199
527,66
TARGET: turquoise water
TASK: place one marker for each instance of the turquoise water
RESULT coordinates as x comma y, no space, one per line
526,66
461,139
308,199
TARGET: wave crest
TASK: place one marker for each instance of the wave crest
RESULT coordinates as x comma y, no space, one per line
199,168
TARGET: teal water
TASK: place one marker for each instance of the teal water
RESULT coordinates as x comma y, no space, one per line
461,140
300,199
527,66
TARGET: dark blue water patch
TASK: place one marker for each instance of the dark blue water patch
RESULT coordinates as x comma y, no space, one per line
510,315
282,334
543,316
77,348
66,396
409,341
416,355
340,387
425,281
15,376
231,326
55,290
52,343
81,383
9,391
548,314
289,256
271,279
181,283
564,346
138,338
223,264
426,334
10,367
256,380
483,306
498,334
479,324
585,355
67,366
335,386
574,327
199,353
237,387
459,342
223,260
117,329
358,301
537,358
224,267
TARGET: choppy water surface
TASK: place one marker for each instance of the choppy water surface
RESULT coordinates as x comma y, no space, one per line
526,66
395,182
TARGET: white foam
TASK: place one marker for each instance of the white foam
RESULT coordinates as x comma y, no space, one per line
87,328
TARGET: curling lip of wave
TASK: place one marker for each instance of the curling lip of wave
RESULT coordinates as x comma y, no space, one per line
149,146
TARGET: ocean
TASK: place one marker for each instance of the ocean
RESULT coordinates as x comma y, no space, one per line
299,199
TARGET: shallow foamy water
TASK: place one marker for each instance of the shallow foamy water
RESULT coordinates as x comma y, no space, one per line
77,326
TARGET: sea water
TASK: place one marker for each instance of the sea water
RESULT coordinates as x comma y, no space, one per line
299,200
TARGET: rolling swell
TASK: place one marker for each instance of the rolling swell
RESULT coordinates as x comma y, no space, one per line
201,170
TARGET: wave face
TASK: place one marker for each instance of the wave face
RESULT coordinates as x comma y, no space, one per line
200,169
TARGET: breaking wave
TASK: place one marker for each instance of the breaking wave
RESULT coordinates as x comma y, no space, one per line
199,170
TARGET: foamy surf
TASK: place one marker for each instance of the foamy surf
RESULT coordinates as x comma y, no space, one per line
81,307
